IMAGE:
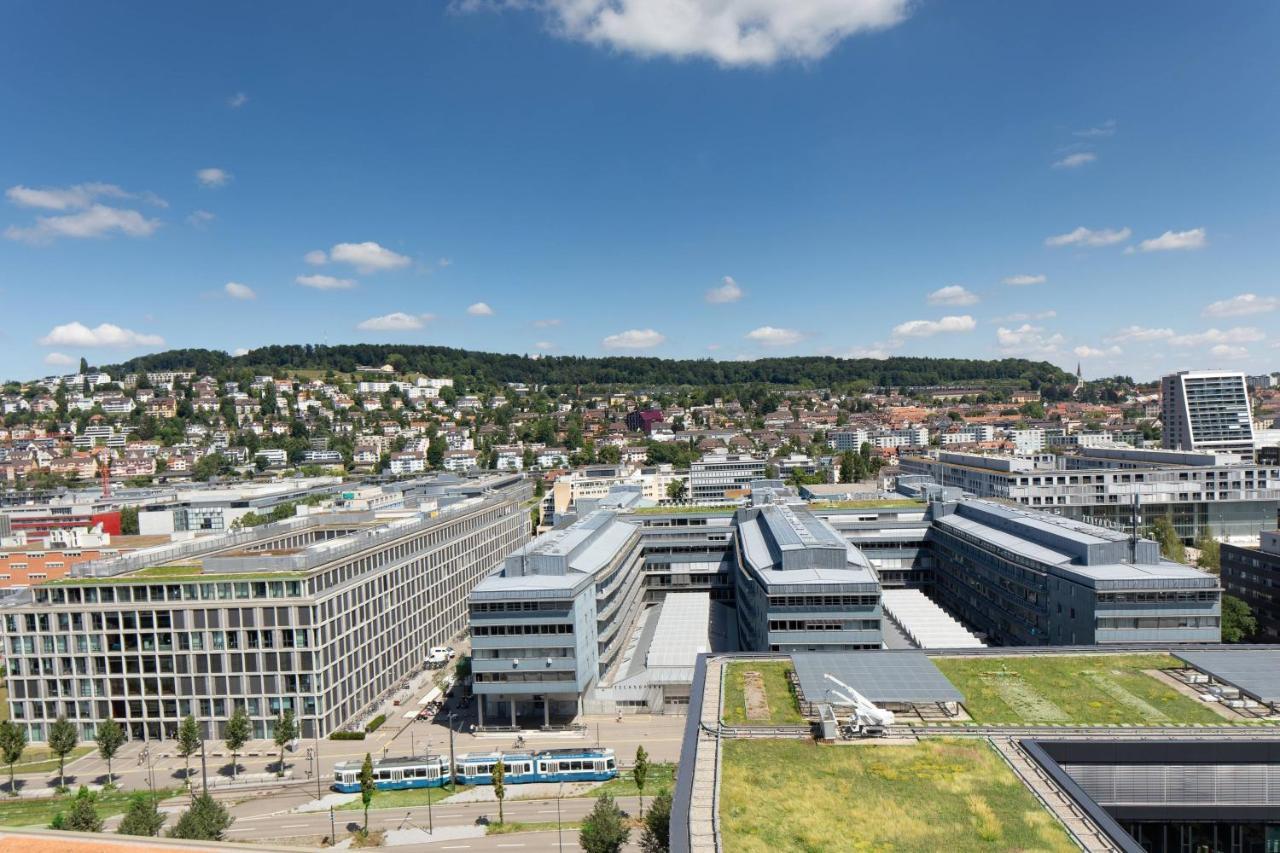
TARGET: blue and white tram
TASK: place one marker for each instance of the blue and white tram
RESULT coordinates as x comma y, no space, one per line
393,774
476,768
576,765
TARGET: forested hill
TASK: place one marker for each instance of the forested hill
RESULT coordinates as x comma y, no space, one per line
814,371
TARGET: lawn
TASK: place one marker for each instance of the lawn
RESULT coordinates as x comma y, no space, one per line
407,798
661,777
4,700
513,826
1072,689
38,759
869,503
940,794
39,812
783,708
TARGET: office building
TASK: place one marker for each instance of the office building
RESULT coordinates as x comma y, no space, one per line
320,614
1253,576
1206,410
721,477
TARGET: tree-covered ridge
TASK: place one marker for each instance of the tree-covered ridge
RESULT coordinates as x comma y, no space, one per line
813,371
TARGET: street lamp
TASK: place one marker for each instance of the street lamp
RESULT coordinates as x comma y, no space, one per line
453,782
559,833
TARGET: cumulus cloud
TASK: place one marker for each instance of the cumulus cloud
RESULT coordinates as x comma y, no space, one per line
480,309
238,100
634,339
928,328
1229,352
547,323
1107,128
212,177
1171,241
1075,161
236,290
731,33
367,257
879,352
1141,333
545,345
728,291
1023,316
1028,340
397,321
239,351
1094,352
58,359
81,214
772,336
1238,306
1088,237
316,257
77,334
200,218
1024,279
953,294
325,282
1235,335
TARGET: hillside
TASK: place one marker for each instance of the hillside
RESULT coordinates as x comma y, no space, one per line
814,371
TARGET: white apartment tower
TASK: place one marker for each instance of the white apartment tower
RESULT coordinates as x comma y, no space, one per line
1206,410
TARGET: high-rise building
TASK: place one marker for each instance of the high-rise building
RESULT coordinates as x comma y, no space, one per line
1206,410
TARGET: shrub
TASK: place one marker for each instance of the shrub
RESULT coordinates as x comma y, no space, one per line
347,736
375,723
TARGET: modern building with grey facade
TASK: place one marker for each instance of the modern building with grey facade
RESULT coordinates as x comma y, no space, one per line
321,614
1033,578
1206,410
1253,576
720,477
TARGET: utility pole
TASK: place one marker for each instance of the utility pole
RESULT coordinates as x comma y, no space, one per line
204,768
333,831
559,832
317,736
453,785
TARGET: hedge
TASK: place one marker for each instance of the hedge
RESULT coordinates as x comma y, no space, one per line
347,736
375,723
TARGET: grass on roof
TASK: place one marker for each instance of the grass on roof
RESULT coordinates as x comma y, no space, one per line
685,509
1072,689
869,503
206,577
166,571
938,794
783,708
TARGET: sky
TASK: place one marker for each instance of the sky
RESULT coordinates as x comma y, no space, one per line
1091,183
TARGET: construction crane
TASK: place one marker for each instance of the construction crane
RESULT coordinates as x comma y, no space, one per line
867,720
104,472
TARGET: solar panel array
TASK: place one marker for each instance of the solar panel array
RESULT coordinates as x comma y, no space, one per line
881,676
1256,672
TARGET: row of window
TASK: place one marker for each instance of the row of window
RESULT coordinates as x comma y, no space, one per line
824,625
1114,623
512,630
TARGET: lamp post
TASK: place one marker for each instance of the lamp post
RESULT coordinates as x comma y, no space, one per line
559,833
453,782
317,750
204,768
333,829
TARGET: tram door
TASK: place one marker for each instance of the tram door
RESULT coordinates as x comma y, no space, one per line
397,775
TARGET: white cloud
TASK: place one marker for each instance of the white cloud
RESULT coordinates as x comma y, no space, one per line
367,257
444,262
1174,240
728,291
545,345
1141,333
729,32
200,218
712,347
879,352
58,359
97,221
239,351
325,282
1023,316
1094,352
1238,306
1107,128
546,323
1088,237
238,100
316,257
1028,340
1226,351
236,290
1024,279
397,321
104,335
1235,335
212,177
772,336
480,309
75,197
634,339
1075,161
953,294
928,328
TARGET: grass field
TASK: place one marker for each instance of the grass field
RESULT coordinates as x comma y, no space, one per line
38,759
1079,689
514,826
783,708
940,794
403,799
661,777
39,812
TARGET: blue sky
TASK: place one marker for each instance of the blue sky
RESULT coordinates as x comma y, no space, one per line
743,178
